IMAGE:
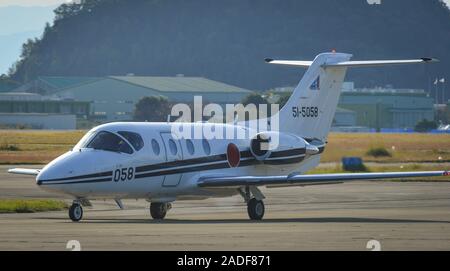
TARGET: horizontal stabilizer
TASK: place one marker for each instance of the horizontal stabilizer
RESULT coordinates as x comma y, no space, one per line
350,64
375,63
305,64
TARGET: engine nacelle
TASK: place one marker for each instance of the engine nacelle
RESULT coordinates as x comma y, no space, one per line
260,146
273,147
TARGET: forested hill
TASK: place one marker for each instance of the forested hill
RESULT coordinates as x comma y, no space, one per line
228,40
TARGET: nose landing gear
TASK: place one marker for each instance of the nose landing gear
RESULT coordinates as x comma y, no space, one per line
158,210
76,211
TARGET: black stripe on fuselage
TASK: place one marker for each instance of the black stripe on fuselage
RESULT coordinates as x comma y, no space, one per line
89,176
189,162
183,170
75,182
180,163
190,165
243,163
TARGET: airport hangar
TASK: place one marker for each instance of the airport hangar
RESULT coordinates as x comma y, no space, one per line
113,98
384,108
388,108
34,111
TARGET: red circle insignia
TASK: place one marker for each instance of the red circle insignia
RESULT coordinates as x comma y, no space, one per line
233,155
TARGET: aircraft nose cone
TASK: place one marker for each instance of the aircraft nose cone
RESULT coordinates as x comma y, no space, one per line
42,176
54,170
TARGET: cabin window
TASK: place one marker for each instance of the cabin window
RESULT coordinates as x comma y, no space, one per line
173,147
190,147
134,138
206,147
155,147
107,141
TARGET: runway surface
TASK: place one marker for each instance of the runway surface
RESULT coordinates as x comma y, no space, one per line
400,215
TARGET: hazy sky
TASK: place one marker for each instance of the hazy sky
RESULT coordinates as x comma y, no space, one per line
31,2
53,2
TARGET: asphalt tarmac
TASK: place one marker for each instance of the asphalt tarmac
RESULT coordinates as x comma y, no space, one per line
397,215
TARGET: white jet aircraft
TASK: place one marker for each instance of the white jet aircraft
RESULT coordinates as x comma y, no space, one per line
145,161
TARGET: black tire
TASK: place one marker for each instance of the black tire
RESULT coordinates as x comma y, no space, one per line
76,212
158,210
255,209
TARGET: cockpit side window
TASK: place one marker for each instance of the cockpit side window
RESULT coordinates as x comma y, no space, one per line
109,142
134,138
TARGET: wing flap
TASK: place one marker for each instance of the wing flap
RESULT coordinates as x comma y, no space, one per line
314,179
24,171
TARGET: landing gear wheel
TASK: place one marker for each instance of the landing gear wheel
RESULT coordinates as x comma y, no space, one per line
159,210
76,212
255,209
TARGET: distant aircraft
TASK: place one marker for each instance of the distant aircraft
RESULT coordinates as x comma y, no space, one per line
146,161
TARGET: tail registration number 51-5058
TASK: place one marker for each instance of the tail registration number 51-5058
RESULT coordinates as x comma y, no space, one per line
305,112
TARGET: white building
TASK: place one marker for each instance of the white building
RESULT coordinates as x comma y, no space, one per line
39,121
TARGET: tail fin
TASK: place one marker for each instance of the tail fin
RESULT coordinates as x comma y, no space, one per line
310,110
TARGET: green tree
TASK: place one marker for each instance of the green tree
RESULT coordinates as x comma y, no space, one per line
283,99
116,37
424,126
7,84
255,99
154,108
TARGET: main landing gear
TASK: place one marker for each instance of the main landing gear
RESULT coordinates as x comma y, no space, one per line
158,210
254,199
76,211
255,209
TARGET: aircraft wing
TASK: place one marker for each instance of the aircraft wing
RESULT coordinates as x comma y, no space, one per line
313,179
24,171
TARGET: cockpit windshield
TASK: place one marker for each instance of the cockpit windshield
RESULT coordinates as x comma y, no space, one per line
109,142
84,140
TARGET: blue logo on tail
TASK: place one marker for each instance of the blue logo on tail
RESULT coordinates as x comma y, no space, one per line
316,84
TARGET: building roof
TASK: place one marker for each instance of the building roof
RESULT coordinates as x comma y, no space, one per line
180,84
343,110
60,82
7,85
22,96
19,94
